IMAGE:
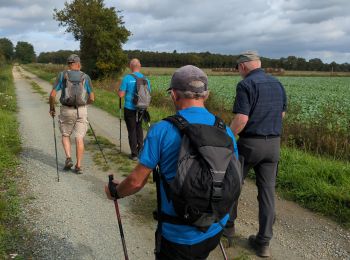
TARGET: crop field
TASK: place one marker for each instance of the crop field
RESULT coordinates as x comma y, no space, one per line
318,116
313,97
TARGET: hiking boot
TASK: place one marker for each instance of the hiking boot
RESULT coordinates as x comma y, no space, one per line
260,250
133,157
78,170
229,232
68,164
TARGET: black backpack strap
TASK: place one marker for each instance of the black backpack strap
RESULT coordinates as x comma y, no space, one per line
136,77
179,121
158,215
133,75
219,123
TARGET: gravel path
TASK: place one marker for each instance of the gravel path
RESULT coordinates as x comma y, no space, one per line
71,219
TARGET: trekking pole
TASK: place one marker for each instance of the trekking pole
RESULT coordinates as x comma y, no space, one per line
120,124
99,146
110,177
54,135
223,251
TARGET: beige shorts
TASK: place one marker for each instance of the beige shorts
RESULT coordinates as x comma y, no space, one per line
69,122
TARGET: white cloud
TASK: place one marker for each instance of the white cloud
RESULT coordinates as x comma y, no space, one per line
276,28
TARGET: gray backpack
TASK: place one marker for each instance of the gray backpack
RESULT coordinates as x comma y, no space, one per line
209,176
142,96
74,92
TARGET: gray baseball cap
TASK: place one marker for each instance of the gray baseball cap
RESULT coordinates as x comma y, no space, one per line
73,58
189,78
247,56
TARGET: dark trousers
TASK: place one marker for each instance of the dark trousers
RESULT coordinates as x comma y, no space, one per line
173,251
135,132
262,155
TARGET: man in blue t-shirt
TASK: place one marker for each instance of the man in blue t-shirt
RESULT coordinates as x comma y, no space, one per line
133,118
188,90
259,108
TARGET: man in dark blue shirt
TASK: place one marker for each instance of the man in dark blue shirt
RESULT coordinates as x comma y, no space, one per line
259,108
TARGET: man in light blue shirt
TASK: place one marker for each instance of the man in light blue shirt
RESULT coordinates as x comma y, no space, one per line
132,118
73,116
188,91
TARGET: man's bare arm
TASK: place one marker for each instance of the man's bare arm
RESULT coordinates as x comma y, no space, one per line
238,123
121,93
91,98
133,183
52,101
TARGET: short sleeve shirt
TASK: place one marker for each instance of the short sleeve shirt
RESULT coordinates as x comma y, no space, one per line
161,147
263,99
59,84
129,86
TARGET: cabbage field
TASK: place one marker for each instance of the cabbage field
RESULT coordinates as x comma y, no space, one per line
318,117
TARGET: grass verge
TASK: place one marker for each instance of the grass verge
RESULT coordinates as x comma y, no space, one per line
11,232
318,183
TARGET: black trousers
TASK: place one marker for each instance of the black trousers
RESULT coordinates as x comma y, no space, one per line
200,251
135,132
262,155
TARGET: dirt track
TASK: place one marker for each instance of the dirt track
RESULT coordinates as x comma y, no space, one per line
71,219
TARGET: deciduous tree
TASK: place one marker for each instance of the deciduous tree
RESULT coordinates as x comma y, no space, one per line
6,48
101,33
25,52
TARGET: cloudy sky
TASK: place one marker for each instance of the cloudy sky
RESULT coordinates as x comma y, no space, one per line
276,28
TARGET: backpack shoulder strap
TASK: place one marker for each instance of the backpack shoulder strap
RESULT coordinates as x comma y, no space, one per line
82,78
136,77
133,75
65,75
179,121
219,123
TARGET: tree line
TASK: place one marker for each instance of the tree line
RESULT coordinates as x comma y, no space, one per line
23,52
207,60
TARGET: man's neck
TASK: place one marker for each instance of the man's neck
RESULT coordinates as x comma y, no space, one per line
187,103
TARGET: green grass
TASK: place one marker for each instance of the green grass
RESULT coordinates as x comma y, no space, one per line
317,183
11,233
38,89
48,74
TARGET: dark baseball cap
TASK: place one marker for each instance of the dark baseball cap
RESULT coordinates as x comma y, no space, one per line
189,78
73,58
247,56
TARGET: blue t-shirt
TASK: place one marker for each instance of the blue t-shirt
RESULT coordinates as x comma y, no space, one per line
162,146
59,84
263,99
129,86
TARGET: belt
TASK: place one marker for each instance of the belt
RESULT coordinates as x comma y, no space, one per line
259,136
